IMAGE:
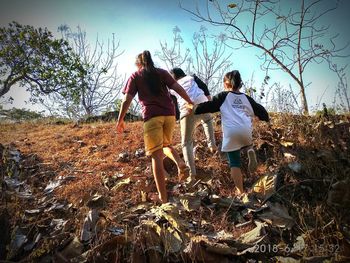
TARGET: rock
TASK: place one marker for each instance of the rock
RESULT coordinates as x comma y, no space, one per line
123,157
140,153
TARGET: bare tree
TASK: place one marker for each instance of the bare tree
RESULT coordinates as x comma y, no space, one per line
172,54
280,99
209,60
274,97
342,91
102,83
289,39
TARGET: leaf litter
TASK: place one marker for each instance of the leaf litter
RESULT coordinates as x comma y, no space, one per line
94,206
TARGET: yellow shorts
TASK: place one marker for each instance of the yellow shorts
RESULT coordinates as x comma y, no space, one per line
158,133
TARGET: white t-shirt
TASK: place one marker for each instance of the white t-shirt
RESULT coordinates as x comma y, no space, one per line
192,90
237,111
236,120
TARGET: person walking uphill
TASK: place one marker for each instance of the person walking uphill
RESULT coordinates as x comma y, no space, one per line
189,121
237,110
158,112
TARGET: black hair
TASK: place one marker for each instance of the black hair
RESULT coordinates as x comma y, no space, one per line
234,77
177,73
150,73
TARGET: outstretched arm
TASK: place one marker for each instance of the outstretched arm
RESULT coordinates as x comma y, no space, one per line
179,90
259,110
123,110
213,105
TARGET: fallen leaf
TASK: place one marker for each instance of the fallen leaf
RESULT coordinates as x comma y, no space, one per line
254,236
121,183
190,202
265,186
277,215
286,143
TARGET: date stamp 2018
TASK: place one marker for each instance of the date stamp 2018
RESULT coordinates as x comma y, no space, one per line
314,249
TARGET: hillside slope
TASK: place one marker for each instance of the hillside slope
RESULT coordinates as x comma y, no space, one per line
84,193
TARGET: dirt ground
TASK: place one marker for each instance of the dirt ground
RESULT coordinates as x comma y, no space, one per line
82,193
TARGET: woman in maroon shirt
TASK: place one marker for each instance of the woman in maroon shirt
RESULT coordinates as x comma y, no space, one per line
158,112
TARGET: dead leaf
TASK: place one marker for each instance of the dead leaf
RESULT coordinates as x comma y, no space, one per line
72,250
232,5
254,236
277,215
190,202
105,252
121,183
289,156
265,187
89,224
329,124
171,214
147,242
286,143
171,240
200,249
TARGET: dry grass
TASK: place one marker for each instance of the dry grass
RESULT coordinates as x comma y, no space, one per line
90,152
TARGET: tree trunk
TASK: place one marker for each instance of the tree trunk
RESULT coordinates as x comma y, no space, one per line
3,90
304,101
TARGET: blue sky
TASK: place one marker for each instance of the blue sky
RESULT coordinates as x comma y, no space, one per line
140,25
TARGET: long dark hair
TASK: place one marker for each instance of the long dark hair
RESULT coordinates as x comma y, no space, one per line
234,77
150,73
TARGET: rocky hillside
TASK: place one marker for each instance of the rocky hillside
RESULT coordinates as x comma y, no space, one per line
82,193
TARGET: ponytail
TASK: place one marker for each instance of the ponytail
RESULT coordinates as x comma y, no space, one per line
147,61
150,73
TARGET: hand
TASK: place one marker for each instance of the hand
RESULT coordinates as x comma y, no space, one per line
120,126
189,107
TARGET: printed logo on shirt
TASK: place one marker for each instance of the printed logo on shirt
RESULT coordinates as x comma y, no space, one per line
237,101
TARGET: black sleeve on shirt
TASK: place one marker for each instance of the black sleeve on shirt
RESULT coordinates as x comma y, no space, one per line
201,85
259,110
213,105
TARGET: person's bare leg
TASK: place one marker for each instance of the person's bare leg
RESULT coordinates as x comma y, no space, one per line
171,153
237,177
159,175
